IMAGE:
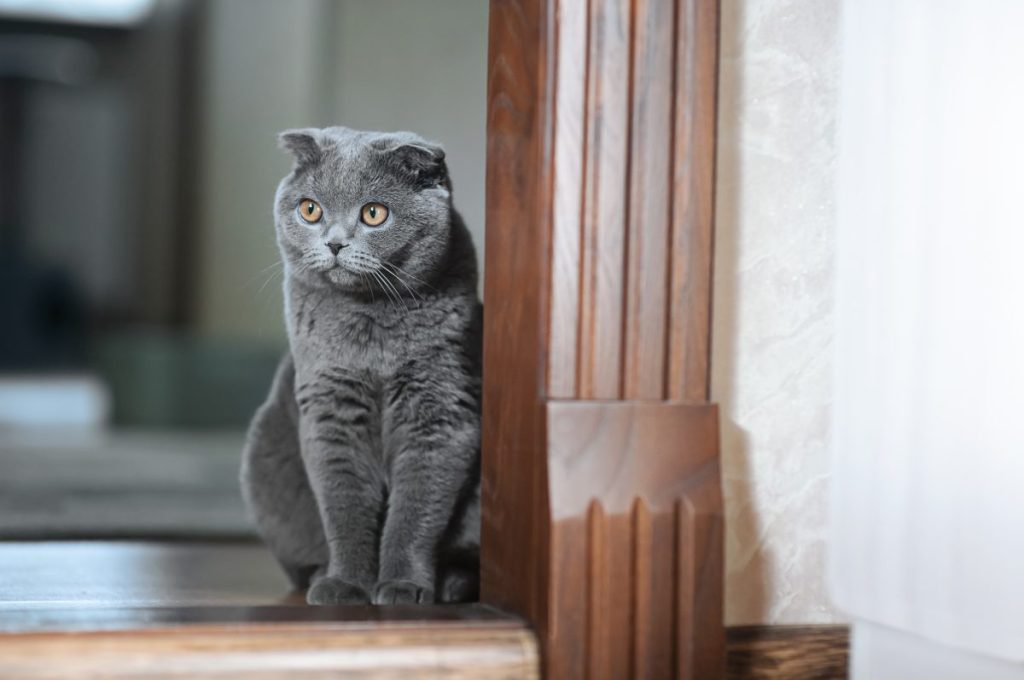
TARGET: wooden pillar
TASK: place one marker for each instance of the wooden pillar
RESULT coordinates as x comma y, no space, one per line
602,518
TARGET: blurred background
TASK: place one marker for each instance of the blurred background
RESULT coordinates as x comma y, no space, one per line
140,303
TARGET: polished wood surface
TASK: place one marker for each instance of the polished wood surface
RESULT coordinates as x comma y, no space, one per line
791,652
121,484
635,502
693,199
630,201
514,542
649,198
297,651
601,491
110,609
61,574
294,611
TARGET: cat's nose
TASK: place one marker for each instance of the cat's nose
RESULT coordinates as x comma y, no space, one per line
336,247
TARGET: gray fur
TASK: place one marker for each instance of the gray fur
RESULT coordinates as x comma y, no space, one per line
362,467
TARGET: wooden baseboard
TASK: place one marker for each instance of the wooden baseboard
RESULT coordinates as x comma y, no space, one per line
787,652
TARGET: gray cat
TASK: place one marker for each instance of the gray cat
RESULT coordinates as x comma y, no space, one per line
362,467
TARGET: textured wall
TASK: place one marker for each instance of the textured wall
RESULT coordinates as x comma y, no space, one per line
773,300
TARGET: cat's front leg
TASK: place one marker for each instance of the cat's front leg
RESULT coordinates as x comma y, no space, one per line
337,419
433,423
276,487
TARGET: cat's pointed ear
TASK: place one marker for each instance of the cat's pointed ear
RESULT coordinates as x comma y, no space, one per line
303,144
422,162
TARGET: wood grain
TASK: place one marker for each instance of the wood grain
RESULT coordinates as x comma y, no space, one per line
605,200
108,609
567,205
647,264
602,506
632,117
791,652
297,651
634,471
693,200
515,531
699,578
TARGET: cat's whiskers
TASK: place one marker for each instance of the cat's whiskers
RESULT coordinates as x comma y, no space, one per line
275,263
399,300
269,279
383,288
394,291
272,273
369,287
411,276
398,278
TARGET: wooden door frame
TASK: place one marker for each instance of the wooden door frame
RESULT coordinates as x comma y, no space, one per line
602,508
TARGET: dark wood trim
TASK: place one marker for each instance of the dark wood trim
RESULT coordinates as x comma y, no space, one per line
792,652
602,510
516,530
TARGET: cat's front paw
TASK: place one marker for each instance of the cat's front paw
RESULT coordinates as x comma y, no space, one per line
460,585
401,592
333,590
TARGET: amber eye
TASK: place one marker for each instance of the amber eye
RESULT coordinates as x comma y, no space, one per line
374,214
310,211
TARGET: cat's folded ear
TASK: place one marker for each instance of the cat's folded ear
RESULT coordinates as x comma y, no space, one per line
422,162
303,144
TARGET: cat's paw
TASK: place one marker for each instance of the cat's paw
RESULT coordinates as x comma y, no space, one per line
401,592
333,590
460,585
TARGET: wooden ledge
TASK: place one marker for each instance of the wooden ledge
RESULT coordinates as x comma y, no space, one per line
120,609
268,642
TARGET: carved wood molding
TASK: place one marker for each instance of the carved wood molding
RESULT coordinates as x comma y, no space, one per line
635,502
632,198
601,496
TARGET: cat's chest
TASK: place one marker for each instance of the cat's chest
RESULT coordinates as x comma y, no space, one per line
328,333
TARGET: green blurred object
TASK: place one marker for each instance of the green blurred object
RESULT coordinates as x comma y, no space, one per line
165,380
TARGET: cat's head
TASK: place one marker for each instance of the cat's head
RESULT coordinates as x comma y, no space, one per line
359,207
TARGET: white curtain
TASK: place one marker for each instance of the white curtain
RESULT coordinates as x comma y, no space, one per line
927,531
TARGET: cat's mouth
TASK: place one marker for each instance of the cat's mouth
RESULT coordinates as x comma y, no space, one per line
358,264
338,273
346,274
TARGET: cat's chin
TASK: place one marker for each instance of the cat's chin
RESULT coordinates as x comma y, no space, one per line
339,277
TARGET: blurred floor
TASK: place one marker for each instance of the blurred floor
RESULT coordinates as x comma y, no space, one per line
126,484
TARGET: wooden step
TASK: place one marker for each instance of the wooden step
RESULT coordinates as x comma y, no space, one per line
192,610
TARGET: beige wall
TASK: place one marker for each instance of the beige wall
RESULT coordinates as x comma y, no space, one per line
772,329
